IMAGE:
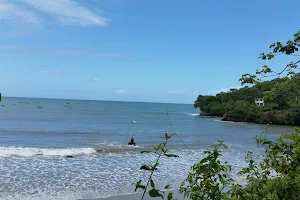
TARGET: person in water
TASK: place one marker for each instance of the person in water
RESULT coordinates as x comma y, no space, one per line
131,142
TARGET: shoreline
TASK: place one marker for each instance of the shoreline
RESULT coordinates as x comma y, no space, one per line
242,121
138,196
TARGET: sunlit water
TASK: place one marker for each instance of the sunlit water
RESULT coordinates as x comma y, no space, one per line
38,136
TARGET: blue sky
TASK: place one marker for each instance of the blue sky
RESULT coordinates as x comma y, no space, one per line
135,50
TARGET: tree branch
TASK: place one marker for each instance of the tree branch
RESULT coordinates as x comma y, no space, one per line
278,74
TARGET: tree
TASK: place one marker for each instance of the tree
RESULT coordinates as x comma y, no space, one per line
281,95
278,49
209,177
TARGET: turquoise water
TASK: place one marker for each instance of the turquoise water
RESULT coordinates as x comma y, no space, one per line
37,135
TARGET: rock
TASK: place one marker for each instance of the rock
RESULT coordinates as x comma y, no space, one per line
225,117
204,114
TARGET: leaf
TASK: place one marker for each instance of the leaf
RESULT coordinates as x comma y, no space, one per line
204,160
146,151
167,136
154,167
152,183
155,193
165,150
157,147
145,167
171,155
170,196
138,185
167,187
139,182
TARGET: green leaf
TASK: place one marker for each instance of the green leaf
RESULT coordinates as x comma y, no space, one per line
204,160
171,155
167,187
167,136
152,183
155,193
154,166
146,151
145,167
139,182
138,185
170,196
157,147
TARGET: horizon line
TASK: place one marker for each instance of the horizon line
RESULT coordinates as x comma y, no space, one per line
92,100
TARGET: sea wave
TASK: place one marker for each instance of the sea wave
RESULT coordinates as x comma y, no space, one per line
29,151
231,122
192,114
88,177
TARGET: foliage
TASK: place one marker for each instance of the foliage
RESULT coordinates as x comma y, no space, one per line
209,177
282,158
155,192
276,177
277,49
281,97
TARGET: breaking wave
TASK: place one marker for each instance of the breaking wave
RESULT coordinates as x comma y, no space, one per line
193,114
30,151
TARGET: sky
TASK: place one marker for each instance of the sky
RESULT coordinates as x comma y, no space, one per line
137,50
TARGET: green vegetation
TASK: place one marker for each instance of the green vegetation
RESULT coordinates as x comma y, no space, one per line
277,176
281,97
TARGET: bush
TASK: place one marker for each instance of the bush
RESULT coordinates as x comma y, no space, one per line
276,177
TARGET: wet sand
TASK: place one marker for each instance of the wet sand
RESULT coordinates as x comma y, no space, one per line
138,196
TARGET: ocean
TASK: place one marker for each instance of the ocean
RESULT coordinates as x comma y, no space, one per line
77,149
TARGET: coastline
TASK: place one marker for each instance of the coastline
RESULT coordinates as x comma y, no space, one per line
225,118
138,196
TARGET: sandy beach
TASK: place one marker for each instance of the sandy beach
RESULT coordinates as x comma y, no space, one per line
137,196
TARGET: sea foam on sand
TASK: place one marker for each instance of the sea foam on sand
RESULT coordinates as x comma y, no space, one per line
137,196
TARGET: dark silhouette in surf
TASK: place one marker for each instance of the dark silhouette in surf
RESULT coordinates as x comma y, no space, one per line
131,142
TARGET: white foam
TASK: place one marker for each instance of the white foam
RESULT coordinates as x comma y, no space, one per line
29,151
193,114
91,177
218,120
231,122
116,145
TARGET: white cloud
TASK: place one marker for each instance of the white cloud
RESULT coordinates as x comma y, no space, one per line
67,12
122,91
97,79
228,89
175,91
9,11
223,90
